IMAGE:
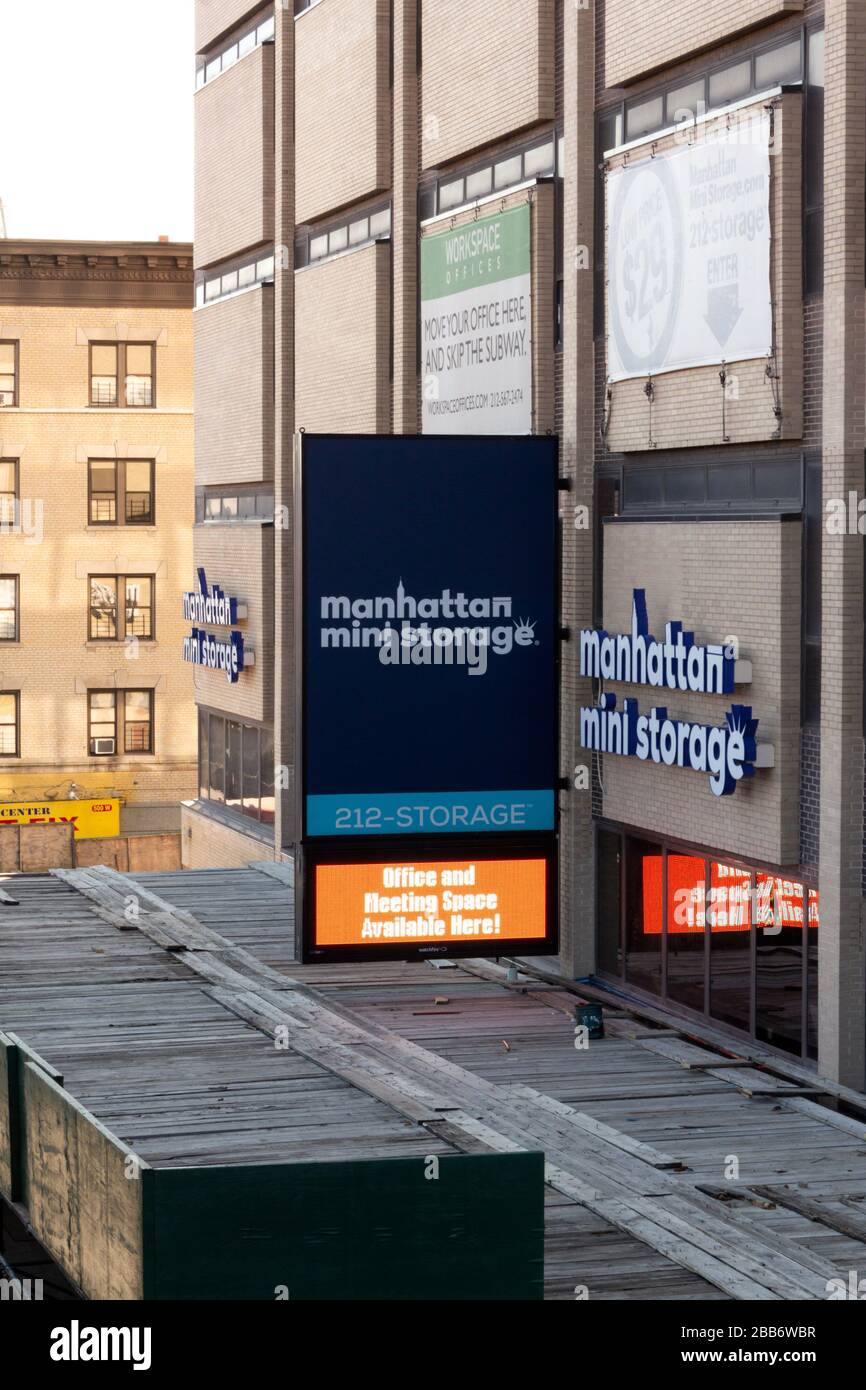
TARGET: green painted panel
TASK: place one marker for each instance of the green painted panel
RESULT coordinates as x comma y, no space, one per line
378,1229
6,1121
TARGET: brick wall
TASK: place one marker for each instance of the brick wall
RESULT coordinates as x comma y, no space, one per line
234,159
638,39
342,344
342,67
216,17
208,843
234,389
686,406
810,796
485,73
721,579
240,558
53,433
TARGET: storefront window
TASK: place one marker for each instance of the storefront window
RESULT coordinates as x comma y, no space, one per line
779,962
643,918
608,898
812,976
730,923
686,919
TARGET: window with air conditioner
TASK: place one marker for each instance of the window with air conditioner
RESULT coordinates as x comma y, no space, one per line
120,722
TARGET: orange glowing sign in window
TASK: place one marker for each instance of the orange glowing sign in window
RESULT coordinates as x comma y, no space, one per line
730,902
411,903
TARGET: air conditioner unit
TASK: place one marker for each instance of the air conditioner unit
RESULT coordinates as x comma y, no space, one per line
104,745
7,398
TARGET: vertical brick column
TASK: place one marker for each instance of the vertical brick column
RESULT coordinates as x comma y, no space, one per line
577,893
284,423
404,216
841,959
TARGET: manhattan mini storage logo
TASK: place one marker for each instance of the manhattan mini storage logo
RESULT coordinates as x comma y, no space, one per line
449,629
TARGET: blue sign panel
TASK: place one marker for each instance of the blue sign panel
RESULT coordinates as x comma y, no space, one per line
430,631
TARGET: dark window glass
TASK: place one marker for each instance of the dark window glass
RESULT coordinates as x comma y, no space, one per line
813,904
234,771
608,903
686,918
729,482
811,692
203,783
685,485
267,766
643,486
779,963
730,914
251,771
778,479
643,923
216,760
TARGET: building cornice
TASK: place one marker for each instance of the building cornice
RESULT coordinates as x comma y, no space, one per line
134,273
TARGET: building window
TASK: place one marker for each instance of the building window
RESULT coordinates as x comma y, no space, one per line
8,373
535,161
242,275
345,235
111,622
258,31
226,505
8,492
9,724
121,492
734,943
120,719
9,608
122,374
138,721
236,766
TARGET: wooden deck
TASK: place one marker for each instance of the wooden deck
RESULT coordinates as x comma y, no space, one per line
160,999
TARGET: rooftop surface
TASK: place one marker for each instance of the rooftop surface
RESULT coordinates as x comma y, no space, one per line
676,1169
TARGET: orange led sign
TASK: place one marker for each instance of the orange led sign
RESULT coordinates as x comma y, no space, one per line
430,906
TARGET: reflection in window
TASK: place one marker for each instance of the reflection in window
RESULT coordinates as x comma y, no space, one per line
686,919
780,912
729,910
643,917
812,974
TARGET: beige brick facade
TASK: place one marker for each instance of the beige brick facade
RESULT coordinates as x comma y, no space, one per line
213,18
234,389
638,39
342,62
484,74
342,310
234,158
53,433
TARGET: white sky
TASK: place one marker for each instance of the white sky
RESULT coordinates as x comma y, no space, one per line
96,109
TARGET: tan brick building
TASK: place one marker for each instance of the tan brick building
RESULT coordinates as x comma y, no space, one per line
96,474
678,351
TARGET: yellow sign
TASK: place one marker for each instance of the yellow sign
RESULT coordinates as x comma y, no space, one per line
91,819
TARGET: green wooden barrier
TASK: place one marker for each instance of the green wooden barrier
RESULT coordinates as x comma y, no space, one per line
372,1229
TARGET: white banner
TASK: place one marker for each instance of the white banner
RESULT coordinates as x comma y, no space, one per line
476,327
688,254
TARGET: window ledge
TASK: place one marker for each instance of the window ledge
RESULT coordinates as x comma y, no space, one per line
100,644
